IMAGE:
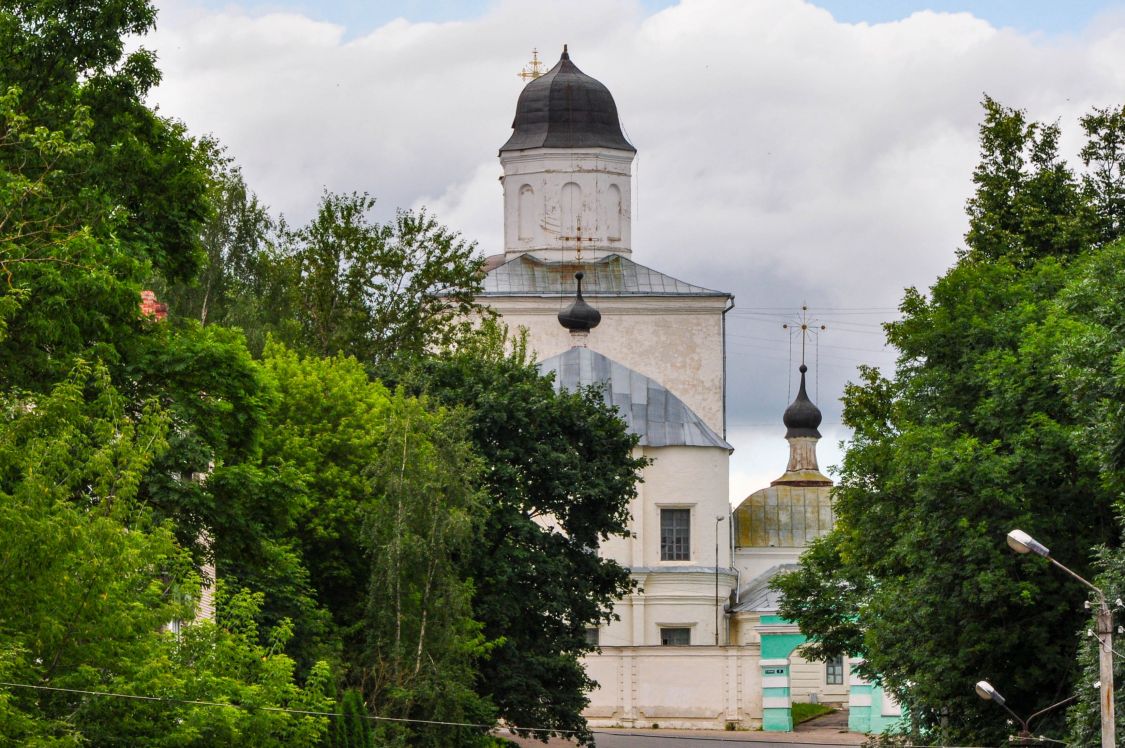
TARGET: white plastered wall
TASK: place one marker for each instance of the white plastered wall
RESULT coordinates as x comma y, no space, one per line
678,341
675,593
561,201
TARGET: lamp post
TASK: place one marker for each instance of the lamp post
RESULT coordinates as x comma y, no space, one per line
718,519
1021,542
988,693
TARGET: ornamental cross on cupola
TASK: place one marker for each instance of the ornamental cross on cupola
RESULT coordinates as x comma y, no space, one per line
807,329
533,69
804,327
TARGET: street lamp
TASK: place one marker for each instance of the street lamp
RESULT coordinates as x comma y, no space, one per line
988,693
1021,542
718,519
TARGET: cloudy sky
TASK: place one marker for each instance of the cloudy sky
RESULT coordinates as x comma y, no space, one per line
789,151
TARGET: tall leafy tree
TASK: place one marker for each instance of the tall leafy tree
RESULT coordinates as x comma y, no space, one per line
1089,365
375,290
238,238
560,474
389,509
1104,184
97,194
98,190
973,437
91,579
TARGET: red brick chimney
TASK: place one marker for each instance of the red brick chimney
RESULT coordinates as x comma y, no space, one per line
152,308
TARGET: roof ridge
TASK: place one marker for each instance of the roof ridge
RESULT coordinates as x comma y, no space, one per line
610,275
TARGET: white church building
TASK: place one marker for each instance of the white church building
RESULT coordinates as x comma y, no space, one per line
699,643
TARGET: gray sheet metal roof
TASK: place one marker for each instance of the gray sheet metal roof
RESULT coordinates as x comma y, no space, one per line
756,596
612,275
652,412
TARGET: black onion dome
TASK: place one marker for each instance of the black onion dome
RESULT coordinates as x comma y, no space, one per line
579,316
565,108
802,417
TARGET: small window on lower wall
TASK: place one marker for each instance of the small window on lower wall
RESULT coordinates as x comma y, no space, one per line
592,637
675,637
834,671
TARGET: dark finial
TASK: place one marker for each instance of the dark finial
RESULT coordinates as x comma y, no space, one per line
565,54
802,417
578,315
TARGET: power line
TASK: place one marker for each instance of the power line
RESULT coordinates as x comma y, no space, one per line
316,713
245,707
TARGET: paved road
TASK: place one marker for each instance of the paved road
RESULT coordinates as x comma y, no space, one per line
706,739
665,739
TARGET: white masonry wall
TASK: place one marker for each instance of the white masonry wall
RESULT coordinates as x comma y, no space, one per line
557,201
678,341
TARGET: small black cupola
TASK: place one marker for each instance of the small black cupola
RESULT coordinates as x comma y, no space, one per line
578,315
802,417
565,108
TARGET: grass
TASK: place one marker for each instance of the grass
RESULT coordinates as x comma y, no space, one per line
804,712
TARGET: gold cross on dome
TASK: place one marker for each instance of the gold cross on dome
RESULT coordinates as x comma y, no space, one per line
533,69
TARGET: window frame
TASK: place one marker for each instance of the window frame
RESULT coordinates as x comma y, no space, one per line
834,671
669,550
685,630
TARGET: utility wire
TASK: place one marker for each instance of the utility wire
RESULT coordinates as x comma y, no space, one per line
315,713
250,707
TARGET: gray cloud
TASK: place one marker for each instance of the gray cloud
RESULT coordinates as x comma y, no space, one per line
783,156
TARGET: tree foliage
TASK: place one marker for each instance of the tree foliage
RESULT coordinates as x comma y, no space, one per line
387,508
342,283
97,190
90,580
978,433
559,478
378,290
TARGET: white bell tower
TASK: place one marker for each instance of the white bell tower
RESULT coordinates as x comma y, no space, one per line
567,170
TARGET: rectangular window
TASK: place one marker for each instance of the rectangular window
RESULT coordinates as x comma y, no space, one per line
592,636
675,637
834,671
675,534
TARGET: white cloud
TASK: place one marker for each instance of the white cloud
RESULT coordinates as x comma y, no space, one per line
783,156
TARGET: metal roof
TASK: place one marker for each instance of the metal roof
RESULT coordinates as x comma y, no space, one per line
756,596
649,410
612,275
565,108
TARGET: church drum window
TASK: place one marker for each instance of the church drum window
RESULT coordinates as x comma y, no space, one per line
675,534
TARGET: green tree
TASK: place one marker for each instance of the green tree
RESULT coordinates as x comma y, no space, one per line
374,290
97,192
554,459
1089,365
238,239
1027,204
353,730
389,507
1104,183
973,437
90,580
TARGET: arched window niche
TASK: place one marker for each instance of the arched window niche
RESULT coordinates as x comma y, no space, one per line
527,214
570,205
613,213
